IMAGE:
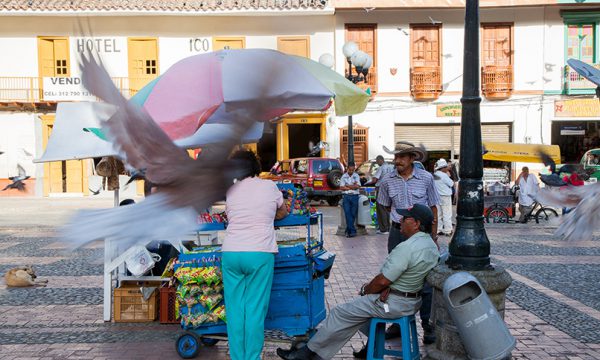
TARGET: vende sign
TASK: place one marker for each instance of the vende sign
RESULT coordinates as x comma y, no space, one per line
65,89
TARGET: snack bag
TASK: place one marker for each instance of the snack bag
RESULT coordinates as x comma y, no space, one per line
210,301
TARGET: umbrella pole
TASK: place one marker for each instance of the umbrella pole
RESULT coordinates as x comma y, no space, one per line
116,197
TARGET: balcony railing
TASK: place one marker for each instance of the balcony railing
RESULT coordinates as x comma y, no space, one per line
577,84
425,82
496,82
29,89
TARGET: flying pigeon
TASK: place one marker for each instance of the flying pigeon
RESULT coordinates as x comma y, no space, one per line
136,175
17,181
587,71
580,223
185,186
552,179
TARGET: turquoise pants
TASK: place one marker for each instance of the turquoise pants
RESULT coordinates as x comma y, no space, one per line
247,277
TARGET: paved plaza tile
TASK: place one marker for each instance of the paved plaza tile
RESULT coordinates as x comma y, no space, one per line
552,307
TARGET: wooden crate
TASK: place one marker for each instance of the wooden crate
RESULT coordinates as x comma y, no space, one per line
129,305
167,313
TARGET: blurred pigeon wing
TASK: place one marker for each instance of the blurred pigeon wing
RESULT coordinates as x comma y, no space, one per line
581,222
22,173
585,70
547,160
139,140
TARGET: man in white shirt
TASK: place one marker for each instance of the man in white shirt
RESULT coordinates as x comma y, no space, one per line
528,188
350,183
444,185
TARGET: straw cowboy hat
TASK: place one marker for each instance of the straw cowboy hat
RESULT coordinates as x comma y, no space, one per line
403,147
440,164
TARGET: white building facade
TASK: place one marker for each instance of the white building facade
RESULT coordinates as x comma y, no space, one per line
417,47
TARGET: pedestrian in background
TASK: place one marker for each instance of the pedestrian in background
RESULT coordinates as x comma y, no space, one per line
383,216
248,261
401,189
444,186
350,183
528,188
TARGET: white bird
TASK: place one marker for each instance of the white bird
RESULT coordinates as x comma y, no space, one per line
580,223
434,22
185,186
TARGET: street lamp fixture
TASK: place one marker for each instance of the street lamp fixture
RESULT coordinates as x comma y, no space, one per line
362,62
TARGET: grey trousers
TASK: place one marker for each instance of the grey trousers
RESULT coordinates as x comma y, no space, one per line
524,210
383,216
346,319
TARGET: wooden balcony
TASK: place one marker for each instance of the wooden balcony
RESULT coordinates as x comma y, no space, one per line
496,82
425,82
577,84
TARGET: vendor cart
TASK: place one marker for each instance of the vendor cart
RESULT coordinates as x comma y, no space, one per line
297,303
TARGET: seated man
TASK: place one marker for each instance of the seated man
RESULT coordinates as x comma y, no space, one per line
394,293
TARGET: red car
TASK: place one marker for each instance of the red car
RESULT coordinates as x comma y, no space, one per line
320,177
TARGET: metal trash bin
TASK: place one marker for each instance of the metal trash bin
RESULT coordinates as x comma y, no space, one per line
483,332
364,211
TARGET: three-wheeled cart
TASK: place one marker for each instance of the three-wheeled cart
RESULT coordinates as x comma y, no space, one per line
297,303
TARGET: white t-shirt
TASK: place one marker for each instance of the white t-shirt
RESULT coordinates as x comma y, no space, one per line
527,190
251,207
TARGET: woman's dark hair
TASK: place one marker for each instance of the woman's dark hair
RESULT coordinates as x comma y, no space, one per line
246,163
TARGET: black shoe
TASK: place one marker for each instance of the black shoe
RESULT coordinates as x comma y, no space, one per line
392,332
428,336
304,353
362,353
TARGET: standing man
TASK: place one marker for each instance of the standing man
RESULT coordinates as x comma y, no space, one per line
444,186
393,293
383,216
528,188
349,185
401,189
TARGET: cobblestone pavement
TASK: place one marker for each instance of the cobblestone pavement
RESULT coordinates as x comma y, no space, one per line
553,305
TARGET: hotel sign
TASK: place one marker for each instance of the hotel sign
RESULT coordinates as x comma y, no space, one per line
65,89
449,110
577,108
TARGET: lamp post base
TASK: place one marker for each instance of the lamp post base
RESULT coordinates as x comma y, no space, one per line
448,345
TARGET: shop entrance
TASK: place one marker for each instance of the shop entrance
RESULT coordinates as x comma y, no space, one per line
296,134
266,148
575,138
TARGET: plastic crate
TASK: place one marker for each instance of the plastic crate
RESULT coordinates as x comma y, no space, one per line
129,305
167,313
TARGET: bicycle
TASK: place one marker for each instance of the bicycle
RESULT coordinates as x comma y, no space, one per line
501,214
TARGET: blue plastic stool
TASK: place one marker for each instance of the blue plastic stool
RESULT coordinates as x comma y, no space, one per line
410,340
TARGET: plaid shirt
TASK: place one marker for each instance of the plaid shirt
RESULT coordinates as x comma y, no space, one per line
398,193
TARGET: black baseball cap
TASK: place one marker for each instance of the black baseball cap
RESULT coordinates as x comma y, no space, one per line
418,212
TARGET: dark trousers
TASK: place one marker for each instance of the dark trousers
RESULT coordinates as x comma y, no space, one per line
383,216
394,239
350,205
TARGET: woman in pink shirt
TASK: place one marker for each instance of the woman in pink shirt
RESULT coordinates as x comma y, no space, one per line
249,252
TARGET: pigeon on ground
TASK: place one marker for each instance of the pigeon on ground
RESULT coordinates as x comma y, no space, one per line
95,192
185,186
18,181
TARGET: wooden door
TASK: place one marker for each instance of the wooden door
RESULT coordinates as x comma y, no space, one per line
229,43
365,36
497,46
425,46
294,45
53,58
55,172
143,62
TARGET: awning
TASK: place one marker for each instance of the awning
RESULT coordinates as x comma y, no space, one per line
510,152
69,141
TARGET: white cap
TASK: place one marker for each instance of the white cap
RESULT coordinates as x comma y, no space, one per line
440,164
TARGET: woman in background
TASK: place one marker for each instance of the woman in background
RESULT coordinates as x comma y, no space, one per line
249,252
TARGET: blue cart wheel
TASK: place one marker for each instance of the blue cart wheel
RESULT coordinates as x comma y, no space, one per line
208,341
188,345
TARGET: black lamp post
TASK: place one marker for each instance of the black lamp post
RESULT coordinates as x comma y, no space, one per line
362,61
470,248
